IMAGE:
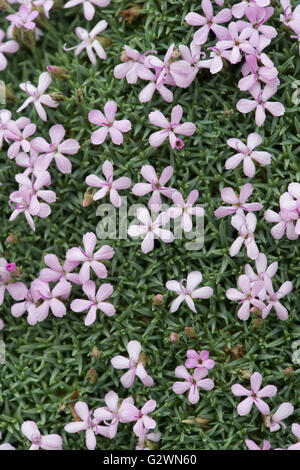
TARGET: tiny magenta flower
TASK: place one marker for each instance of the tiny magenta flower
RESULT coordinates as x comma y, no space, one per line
11,267
170,129
110,185
108,124
254,395
48,442
188,293
95,302
134,364
192,383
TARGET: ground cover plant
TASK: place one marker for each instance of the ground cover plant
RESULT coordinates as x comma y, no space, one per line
142,339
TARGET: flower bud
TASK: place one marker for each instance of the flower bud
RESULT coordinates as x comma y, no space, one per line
176,53
174,338
158,299
58,72
255,310
92,375
237,351
57,96
288,371
88,197
12,239
190,332
95,352
131,14
80,95
61,407
257,323
124,57
245,374
11,267
4,6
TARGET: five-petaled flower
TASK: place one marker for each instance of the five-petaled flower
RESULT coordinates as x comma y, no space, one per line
188,293
108,124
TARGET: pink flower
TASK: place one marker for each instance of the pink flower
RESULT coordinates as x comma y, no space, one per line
253,73
5,117
51,299
189,292
284,223
247,154
56,149
296,432
240,9
156,185
7,446
88,6
95,302
88,423
48,442
257,17
252,446
133,66
57,272
144,439
17,290
288,14
209,22
274,421
24,18
45,4
169,130
237,201
20,137
109,185
134,364
246,296
9,47
37,96
254,395
108,124
185,209
274,297
129,413
245,225
149,230
262,271
261,103
110,414
90,42
238,43
195,360
29,305
89,258
192,383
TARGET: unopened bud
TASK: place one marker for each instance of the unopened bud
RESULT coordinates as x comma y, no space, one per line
80,95
288,371
131,14
4,6
257,323
92,375
104,41
237,351
175,54
158,299
190,332
174,338
11,267
12,239
58,96
255,310
58,72
124,57
61,407
88,198
245,374
95,352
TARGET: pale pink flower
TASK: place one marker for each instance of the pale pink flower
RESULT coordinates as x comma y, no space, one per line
108,124
274,297
51,299
296,432
29,305
17,290
48,442
24,18
88,423
57,272
290,201
188,293
29,161
95,302
8,47
134,364
284,223
7,446
240,9
55,150
133,66
110,414
288,14
237,201
156,185
150,230
109,185
144,439
185,210
252,446
275,420
192,383
45,4
254,396
89,258
261,264
129,413
90,42
209,22
198,360
5,117
246,296
245,225
237,43
37,96
88,6
20,137
257,17
261,103
170,129
254,73
247,154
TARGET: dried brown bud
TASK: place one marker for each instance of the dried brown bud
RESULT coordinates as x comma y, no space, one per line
158,299
257,323
288,371
4,6
124,57
255,310
12,239
58,72
88,197
92,375
237,351
190,332
131,14
61,407
174,338
95,352
58,96
175,53
80,95
245,374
